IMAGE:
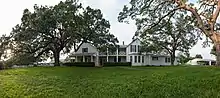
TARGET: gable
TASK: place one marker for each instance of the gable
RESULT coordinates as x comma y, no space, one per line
91,48
135,42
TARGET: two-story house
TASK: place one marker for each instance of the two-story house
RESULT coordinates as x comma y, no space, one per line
124,53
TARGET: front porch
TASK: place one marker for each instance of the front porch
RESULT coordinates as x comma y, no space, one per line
99,60
85,58
104,59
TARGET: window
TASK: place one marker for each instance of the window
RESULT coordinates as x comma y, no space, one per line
142,59
167,60
154,58
139,59
139,48
131,59
133,48
135,59
85,50
119,59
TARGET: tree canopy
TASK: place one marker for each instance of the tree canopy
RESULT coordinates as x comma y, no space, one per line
50,30
149,13
4,46
170,37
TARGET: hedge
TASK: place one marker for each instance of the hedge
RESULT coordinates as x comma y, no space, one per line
80,64
109,64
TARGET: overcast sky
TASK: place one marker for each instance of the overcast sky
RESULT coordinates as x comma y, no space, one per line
11,12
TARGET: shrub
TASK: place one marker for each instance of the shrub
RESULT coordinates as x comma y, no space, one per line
2,66
109,64
80,64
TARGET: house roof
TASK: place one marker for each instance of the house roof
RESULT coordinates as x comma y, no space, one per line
83,54
133,41
85,43
123,46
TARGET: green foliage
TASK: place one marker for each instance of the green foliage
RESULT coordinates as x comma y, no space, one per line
113,64
4,46
22,59
170,36
2,66
163,25
95,30
80,64
113,82
50,30
184,58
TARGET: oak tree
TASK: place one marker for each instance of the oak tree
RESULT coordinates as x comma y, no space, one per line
170,37
204,14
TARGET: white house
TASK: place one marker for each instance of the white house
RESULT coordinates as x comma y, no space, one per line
198,61
124,53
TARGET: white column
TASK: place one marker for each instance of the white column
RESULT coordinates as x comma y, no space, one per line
117,55
83,58
92,58
97,60
149,60
107,55
210,63
76,59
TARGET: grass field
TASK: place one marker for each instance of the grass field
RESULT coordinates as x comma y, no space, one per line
112,82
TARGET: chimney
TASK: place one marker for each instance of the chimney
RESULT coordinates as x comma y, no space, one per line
123,43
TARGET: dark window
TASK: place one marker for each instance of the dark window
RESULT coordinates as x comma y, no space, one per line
135,59
213,63
139,59
85,50
167,60
115,59
135,48
154,58
131,59
119,59
142,59
138,48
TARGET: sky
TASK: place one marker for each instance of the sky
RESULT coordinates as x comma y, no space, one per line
11,13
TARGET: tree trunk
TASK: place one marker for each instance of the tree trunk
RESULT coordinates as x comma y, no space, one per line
56,58
173,58
218,54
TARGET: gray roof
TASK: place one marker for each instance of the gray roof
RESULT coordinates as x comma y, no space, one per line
123,46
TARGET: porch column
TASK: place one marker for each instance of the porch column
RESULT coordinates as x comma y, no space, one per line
210,63
107,55
92,58
83,58
97,60
117,55
76,59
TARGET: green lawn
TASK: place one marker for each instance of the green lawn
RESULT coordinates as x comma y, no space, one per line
112,82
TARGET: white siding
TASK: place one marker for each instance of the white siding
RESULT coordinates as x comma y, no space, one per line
91,49
136,42
160,61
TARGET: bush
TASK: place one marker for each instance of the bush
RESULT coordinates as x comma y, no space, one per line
80,64
2,66
109,64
